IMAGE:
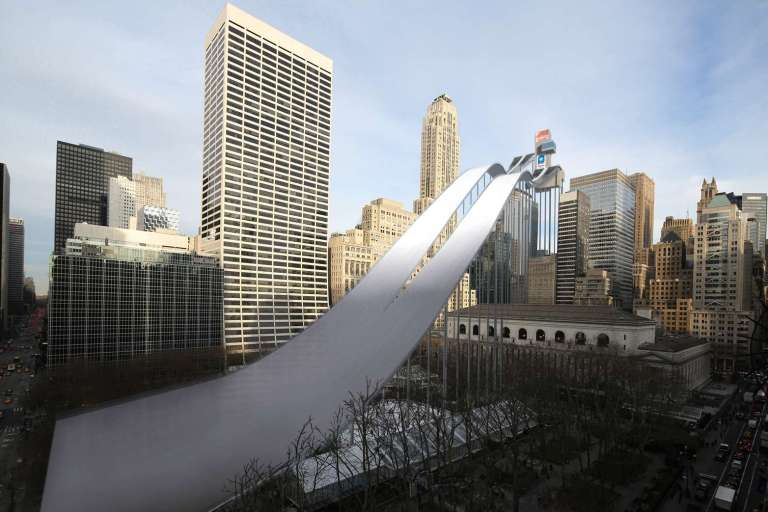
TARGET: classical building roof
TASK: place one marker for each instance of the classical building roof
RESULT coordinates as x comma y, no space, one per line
672,343
559,313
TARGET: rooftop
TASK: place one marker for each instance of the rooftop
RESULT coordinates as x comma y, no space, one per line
672,343
556,313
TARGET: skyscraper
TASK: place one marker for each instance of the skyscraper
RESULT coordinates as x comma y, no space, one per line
5,196
756,206
612,227
440,151
708,191
547,194
15,265
266,164
645,190
572,244
128,196
82,187
670,293
722,279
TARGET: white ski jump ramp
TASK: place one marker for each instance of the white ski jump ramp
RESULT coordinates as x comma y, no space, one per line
176,450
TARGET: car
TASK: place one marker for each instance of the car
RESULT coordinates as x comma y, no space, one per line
702,489
8,401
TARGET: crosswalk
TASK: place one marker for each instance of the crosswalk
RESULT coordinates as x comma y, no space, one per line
10,429
9,434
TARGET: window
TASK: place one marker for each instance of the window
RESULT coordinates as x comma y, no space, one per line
462,329
475,330
540,335
602,340
491,331
581,338
522,334
505,332
559,336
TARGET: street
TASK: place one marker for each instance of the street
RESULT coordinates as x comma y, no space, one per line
14,387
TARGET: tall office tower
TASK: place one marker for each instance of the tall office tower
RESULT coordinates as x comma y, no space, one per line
351,254
611,228
5,196
541,279
15,265
756,206
722,283
645,191
119,293
572,244
121,201
683,228
266,164
82,187
154,218
499,270
149,191
127,197
439,151
671,288
708,191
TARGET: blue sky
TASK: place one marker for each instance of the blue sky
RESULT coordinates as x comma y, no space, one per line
674,89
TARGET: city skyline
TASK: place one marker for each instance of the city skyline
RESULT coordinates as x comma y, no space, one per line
690,103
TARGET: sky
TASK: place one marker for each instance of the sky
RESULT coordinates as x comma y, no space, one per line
678,90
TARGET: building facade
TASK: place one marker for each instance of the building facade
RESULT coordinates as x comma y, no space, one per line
266,165
683,228
572,244
149,191
154,218
128,196
645,194
15,265
5,197
351,254
117,294
440,151
567,330
671,289
612,228
707,192
722,279
542,275
755,206
82,187
593,288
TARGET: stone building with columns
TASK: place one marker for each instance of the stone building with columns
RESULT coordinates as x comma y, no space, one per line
577,328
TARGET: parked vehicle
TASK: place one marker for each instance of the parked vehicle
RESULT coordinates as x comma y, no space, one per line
724,497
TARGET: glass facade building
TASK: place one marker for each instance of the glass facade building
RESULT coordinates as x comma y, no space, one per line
612,228
755,206
15,265
82,187
572,244
110,301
